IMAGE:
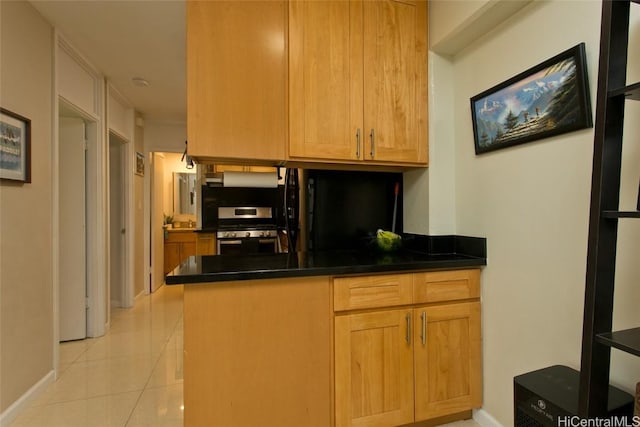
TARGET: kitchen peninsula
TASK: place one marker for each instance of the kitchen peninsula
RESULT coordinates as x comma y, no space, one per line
335,338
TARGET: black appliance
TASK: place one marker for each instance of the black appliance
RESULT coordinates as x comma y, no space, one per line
346,208
291,203
549,397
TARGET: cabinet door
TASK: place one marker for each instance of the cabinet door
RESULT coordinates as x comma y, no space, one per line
236,79
257,353
447,359
206,244
373,369
171,256
188,249
395,80
325,79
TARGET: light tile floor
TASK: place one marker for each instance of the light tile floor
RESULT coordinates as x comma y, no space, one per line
131,377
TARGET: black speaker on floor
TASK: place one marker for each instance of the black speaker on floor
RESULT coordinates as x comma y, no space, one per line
548,397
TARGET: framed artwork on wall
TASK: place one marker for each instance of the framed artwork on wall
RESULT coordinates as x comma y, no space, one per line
139,164
15,147
548,99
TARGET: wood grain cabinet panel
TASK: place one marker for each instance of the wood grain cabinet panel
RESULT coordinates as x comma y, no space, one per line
258,353
178,246
206,244
446,285
447,359
358,81
236,79
372,291
401,365
395,80
373,371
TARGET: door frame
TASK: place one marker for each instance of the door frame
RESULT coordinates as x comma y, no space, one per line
74,173
120,122
126,288
92,111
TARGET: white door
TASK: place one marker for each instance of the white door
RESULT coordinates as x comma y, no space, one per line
157,219
73,277
117,246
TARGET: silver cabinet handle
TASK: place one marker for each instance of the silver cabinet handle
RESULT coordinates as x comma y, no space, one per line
358,143
408,319
423,334
372,135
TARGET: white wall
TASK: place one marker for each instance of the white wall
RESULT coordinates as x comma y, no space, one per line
531,202
163,136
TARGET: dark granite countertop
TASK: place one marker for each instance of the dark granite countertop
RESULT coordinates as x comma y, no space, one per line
418,253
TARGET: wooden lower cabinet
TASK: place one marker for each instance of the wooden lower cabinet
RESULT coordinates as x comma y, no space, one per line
258,353
206,244
399,365
287,352
447,359
178,246
374,369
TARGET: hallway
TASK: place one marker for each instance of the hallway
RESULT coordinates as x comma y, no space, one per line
130,377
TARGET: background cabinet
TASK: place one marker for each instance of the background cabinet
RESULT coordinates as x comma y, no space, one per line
178,246
205,244
236,79
363,95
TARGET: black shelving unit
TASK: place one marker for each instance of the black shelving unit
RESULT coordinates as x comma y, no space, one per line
627,340
613,92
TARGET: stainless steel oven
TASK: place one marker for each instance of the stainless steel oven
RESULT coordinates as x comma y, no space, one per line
246,230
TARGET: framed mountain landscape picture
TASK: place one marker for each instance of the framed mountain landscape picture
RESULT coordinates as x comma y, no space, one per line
546,100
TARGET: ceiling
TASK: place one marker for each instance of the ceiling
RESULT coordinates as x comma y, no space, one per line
127,39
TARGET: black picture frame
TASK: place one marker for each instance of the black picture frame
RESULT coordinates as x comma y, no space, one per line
15,147
548,99
139,164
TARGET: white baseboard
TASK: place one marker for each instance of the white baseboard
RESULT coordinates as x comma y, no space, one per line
12,412
485,419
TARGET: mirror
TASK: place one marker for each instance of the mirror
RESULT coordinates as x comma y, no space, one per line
184,193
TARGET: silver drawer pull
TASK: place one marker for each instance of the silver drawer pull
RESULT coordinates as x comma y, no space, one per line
408,319
423,334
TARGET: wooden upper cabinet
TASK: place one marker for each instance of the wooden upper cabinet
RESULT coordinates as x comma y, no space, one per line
325,79
395,80
236,79
358,81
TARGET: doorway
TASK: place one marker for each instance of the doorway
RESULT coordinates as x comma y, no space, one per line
72,229
117,222
157,221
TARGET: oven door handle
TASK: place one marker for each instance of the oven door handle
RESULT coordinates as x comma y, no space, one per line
239,241
229,242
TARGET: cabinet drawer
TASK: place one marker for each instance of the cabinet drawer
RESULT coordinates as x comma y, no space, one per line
180,236
372,291
439,286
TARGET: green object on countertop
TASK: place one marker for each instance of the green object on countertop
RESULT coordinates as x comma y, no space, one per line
388,241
